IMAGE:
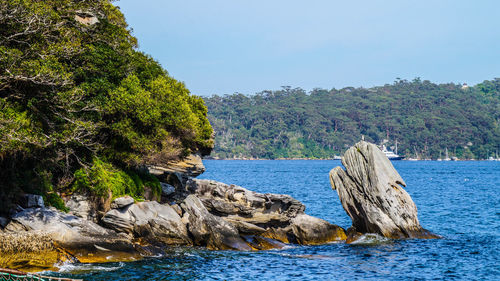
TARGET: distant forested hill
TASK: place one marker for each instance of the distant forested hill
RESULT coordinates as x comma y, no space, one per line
425,118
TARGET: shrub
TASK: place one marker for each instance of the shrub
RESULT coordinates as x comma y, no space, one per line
102,178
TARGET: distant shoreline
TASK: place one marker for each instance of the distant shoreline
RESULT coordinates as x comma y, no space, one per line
269,159
406,160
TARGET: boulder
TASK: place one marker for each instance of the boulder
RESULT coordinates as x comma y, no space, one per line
191,166
82,239
120,220
89,207
274,216
167,189
226,200
15,209
314,231
371,192
122,202
209,230
32,201
79,205
152,221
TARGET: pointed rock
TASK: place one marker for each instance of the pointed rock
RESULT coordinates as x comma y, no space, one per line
371,192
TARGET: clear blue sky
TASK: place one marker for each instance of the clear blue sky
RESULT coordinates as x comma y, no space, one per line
227,46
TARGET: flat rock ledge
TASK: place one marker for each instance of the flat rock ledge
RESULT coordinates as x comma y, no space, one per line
371,192
199,213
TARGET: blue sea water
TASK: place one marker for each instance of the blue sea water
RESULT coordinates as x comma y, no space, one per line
458,200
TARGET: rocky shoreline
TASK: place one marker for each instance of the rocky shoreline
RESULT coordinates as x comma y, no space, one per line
206,213
190,212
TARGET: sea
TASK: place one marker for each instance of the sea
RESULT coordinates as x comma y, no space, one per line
458,200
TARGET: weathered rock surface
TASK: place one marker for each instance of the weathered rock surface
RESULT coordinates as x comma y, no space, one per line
122,202
314,231
32,201
32,251
87,206
371,192
167,189
150,220
198,212
210,231
191,166
80,238
79,205
274,216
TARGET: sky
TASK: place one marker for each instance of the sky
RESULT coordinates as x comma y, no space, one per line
227,46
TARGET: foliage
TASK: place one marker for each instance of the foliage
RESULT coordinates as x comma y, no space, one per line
425,118
73,87
53,199
102,178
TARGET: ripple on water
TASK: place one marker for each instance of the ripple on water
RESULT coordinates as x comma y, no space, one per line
458,200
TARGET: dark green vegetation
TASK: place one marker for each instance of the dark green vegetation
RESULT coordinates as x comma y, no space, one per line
79,104
425,118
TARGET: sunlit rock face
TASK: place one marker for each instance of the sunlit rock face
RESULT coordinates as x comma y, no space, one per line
191,166
264,216
371,192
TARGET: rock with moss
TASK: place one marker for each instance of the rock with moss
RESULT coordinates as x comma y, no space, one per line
83,240
30,251
371,192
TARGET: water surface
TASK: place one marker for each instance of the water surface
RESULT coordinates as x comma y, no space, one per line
458,200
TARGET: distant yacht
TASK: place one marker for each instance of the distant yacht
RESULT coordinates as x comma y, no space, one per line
390,154
336,157
446,157
491,158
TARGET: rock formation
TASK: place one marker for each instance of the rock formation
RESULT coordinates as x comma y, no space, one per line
371,192
274,216
209,230
71,238
191,166
152,221
197,213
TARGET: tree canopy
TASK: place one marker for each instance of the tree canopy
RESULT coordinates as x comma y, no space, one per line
425,118
74,88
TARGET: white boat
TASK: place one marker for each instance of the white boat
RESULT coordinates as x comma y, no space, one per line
446,157
390,154
336,157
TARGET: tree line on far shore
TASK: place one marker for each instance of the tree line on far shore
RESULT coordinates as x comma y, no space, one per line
426,120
